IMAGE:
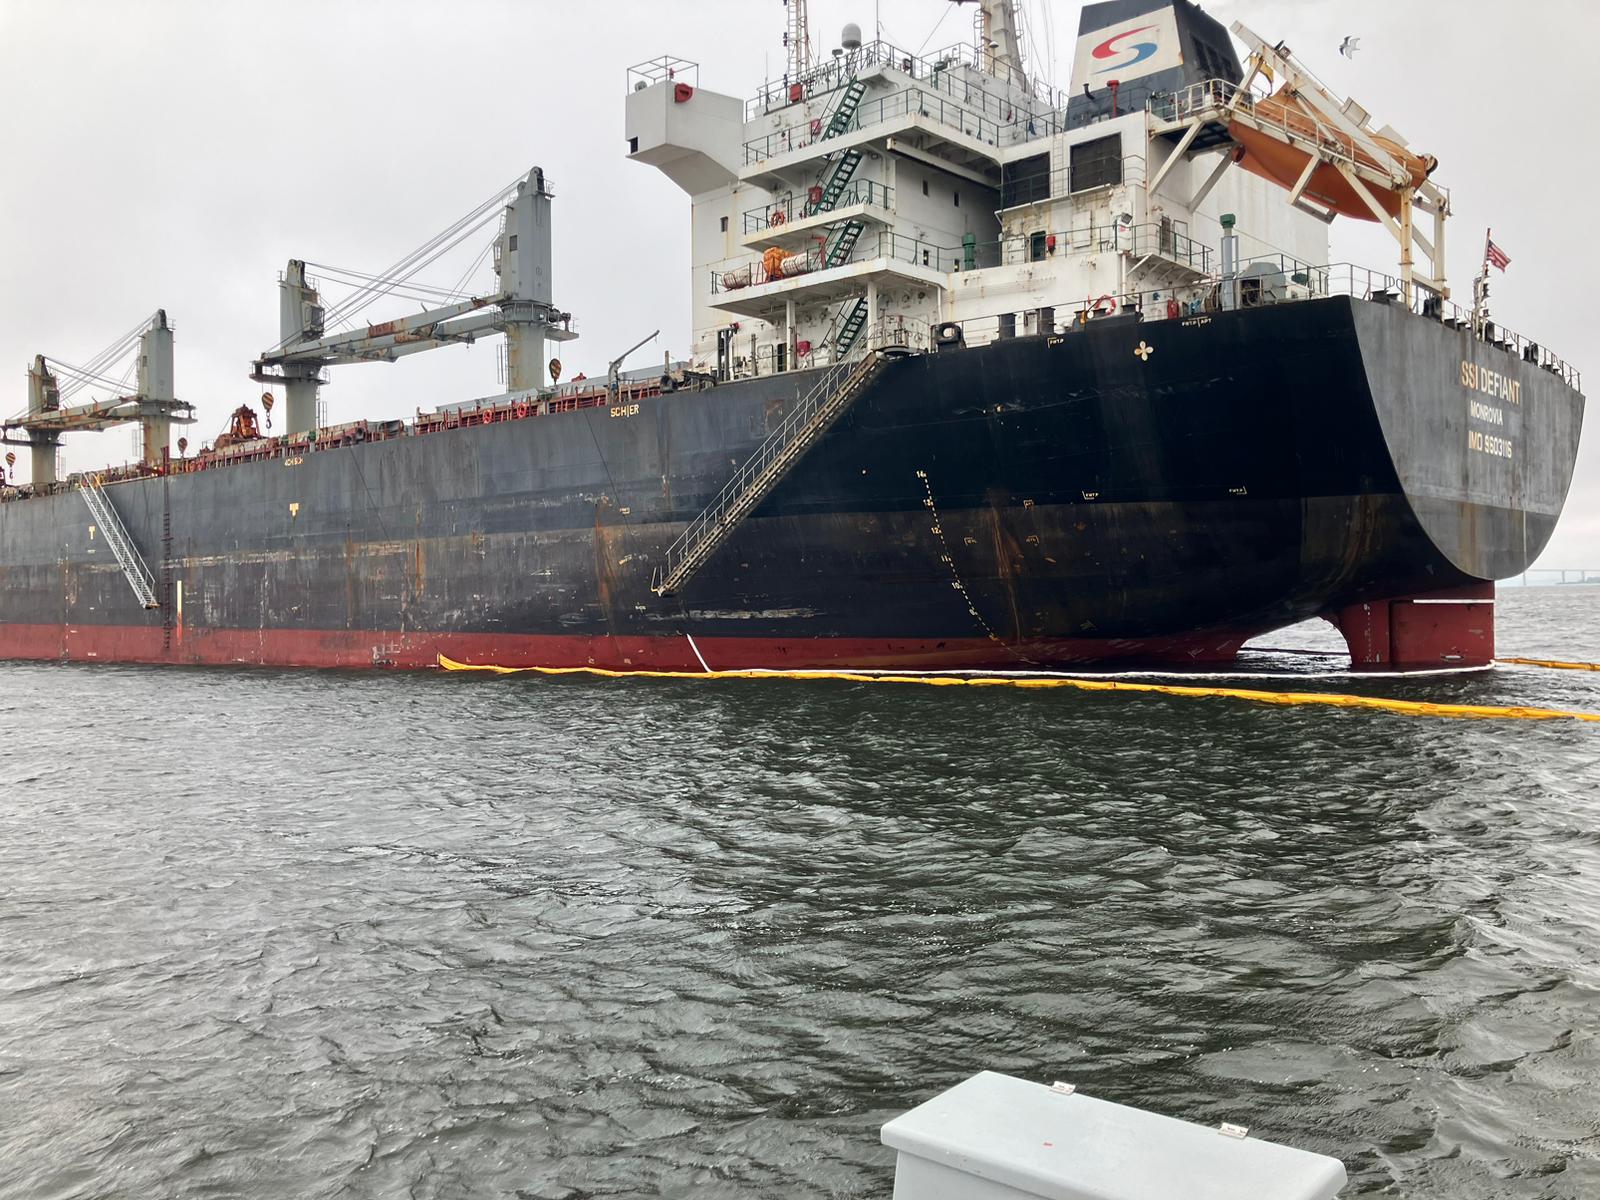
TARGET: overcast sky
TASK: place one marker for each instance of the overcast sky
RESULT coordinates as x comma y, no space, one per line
174,153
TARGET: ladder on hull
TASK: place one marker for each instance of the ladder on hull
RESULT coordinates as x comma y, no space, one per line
132,562
768,466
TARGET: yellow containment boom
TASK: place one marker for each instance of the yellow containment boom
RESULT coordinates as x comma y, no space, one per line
1415,708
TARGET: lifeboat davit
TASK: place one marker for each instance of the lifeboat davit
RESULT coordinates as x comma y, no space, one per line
1268,130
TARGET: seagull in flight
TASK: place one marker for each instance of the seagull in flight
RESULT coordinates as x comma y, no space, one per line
1349,46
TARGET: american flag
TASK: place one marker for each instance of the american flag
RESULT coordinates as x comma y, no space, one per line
1496,257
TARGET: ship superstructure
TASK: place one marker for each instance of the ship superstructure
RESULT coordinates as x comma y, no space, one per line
879,193
982,375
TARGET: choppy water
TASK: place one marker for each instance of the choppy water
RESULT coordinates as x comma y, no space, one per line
298,934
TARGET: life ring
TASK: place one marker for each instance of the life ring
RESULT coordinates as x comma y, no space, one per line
1099,307
777,217
1172,308
522,410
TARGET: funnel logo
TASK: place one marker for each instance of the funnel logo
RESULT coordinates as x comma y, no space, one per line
1140,50
1127,50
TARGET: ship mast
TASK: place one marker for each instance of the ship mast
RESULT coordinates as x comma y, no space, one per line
797,38
999,30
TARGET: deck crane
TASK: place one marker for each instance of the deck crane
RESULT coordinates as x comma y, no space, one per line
614,367
521,309
152,405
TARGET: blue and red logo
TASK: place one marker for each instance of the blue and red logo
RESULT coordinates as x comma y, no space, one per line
1139,50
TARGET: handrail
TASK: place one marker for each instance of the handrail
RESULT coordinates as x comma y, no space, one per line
1293,122
1021,125
837,387
800,208
735,274
116,536
831,381
1307,282
935,69
1302,283
664,67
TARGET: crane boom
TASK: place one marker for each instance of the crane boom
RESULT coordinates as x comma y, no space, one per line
614,369
153,406
521,309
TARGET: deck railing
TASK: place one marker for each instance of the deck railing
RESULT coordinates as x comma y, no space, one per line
1299,282
1288,281
1169,242
937,70
790,207
1007,127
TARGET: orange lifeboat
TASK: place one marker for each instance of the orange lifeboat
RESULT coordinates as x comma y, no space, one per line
1268,132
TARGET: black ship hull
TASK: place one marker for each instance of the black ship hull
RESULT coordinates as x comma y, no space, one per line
1158,491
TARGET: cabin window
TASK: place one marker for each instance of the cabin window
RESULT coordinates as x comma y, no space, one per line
724,224
633,145
924,187
1037,246
1097,163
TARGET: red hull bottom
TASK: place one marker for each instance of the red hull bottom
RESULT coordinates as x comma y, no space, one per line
415,651
1450,628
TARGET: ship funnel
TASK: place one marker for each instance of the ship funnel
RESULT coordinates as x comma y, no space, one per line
850,39
1148,47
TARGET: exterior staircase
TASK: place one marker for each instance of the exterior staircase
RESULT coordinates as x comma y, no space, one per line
843,243
844,112
116,536
844,170
801,429
854,321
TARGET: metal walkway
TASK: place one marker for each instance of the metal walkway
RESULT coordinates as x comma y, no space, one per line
111,528
766,468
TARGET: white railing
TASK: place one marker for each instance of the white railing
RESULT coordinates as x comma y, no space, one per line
116,536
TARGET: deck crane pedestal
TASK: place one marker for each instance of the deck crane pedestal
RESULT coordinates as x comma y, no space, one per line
153,405
522,309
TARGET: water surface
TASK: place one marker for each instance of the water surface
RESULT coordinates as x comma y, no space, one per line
273,934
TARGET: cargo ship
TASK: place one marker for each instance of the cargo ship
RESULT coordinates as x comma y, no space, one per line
984,376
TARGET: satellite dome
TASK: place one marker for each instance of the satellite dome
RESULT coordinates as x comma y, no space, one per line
850,39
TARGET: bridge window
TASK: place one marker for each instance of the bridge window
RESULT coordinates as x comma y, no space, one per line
1025,181
1097,164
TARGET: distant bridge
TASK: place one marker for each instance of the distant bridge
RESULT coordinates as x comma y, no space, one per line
1541,576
